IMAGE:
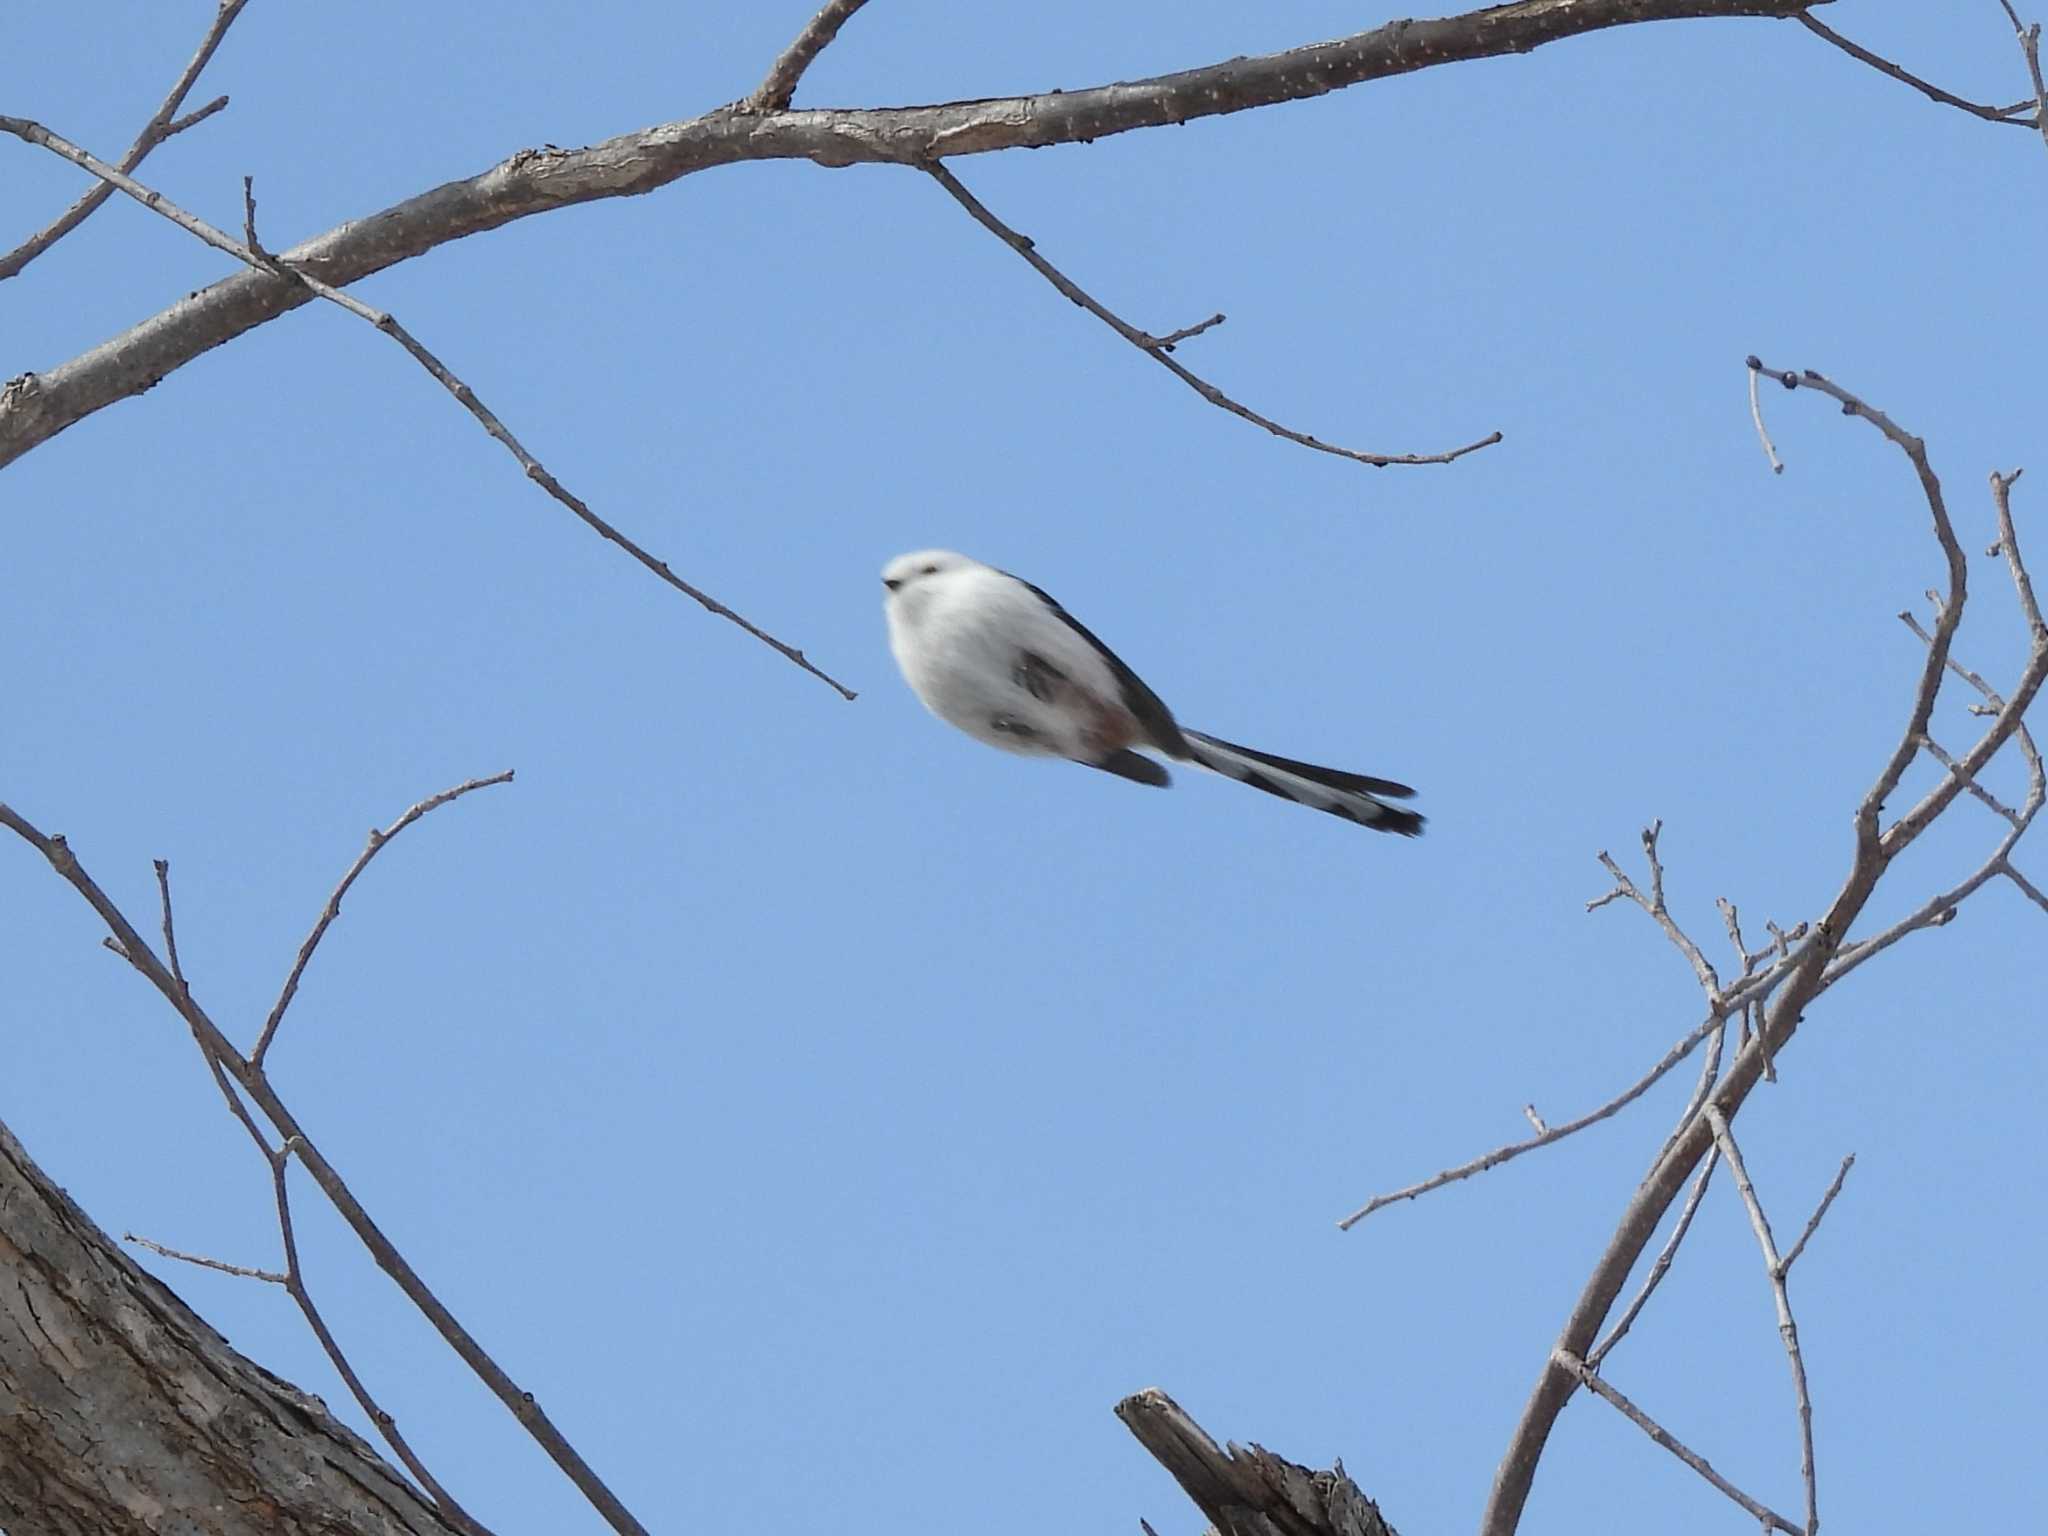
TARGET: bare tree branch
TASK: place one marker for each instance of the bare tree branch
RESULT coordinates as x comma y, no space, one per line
1513,1150
521,1404
1813,1221
2030,49
241,1270
35,407
383,320
1659,1269
1788,1330
1157,347
1566,1361
162,125
1805,973
2027,887
294,1281
1248,1491
1702,968
1932,92
1756,414
774,92
332,910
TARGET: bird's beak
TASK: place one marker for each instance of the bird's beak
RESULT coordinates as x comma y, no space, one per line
891,585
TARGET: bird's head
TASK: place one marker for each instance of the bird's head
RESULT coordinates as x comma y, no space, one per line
906,574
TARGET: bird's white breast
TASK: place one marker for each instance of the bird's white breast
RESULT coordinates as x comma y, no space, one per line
958,638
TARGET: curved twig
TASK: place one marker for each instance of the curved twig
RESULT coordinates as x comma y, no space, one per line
35,408
1563,1371
253,255
1157,347
162,125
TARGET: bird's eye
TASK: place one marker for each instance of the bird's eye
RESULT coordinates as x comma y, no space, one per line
930,570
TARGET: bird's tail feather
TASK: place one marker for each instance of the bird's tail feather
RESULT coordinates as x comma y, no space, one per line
1354,796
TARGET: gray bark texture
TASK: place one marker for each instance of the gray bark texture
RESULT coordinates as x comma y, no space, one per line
35,407
121,1410
1248,1491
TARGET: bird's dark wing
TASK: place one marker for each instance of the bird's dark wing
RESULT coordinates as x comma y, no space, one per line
1145,706
1039,677
1130,765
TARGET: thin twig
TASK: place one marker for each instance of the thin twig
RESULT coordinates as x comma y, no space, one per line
163,885
774,92
1813,1221
384,321
202,1261
1894,840
2023,584
2008,722
2030,47
1702,968
332,910
1940,754
294,1280
162,125
218,1049
1710,1074
1756,414
1156,347
2027,888
1508,1153
195,117
220,1076
1788,1331
1994,704
1763,1513
1534,1119
1932,92
1173,339
1658,1270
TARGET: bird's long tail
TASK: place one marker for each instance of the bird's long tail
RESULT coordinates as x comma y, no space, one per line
1354,796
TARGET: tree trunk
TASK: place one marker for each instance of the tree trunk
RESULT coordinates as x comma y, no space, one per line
121,1410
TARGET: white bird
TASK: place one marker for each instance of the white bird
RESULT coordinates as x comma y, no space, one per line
1001,660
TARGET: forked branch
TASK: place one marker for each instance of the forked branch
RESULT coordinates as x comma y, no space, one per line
228,1064
1805,971
252,255
1159,348
163,124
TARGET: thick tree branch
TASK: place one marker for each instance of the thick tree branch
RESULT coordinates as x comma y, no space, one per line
1248,1491
161,126
35,407
1659,1269
1809,975
118,1404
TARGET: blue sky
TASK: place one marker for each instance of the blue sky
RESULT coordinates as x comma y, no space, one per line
821,1112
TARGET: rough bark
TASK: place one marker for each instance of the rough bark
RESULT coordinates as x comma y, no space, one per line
120,1410
1248,1491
